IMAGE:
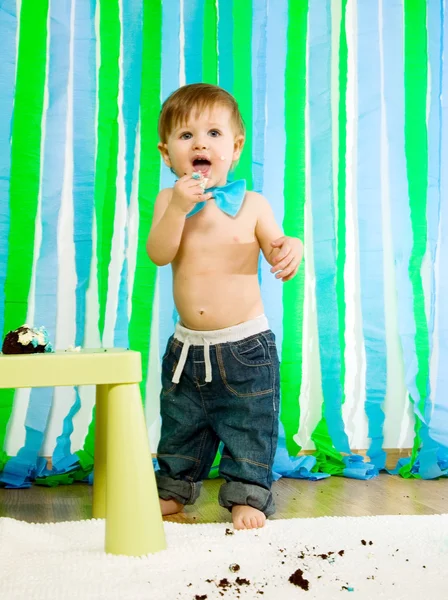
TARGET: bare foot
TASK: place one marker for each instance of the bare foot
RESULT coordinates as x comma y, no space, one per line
247,517
170,507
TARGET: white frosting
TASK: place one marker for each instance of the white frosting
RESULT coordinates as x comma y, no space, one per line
25,337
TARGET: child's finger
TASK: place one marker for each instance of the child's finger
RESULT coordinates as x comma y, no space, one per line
281,262
204,197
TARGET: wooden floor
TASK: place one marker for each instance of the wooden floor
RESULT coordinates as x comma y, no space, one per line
335,496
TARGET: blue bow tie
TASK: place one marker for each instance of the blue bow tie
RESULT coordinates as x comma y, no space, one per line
228,198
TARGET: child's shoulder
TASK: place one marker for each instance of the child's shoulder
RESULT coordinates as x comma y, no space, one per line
256,202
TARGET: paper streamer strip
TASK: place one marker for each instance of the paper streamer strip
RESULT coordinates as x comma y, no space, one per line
242,74
83,126
330,431
194,34
259,24
370,225
210,43
428,466
84,111
416,150
149,181
132,67
294,217
25,172
107,144
274,153
22,468
341,240
8,28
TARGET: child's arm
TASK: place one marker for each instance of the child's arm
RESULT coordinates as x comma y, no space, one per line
166,230
170,211
283,253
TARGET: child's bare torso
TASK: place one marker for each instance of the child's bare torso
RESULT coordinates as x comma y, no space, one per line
215,272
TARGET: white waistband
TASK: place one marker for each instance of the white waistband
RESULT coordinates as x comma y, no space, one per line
191,337
221,336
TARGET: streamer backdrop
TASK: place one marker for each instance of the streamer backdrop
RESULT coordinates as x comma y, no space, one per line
347,128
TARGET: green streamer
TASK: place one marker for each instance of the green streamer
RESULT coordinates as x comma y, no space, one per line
107,148
329,460
416,148
242,78
210,43
149,181
294,217
24,176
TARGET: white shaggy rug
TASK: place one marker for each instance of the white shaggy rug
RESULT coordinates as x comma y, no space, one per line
390,557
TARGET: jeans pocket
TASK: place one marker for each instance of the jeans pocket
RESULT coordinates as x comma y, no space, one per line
250,353
248,374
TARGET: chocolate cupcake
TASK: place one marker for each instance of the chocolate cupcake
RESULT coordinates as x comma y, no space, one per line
27,340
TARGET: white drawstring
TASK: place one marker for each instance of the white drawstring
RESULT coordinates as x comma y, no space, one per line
182,361
208,363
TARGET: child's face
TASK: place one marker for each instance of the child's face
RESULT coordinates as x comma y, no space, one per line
206,143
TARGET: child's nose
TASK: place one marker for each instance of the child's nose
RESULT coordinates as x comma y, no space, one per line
200,143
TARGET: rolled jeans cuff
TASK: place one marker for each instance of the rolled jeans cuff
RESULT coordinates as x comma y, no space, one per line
236,493
185,492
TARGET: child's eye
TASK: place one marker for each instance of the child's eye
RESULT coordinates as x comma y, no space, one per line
214,133
185,136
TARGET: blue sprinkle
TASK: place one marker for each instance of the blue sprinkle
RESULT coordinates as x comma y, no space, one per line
34,343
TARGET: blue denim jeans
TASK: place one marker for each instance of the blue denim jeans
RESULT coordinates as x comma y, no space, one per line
238,407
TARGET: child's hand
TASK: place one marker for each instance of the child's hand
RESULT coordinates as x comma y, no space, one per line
287,255
187,192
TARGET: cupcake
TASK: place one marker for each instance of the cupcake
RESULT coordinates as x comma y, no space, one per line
27,340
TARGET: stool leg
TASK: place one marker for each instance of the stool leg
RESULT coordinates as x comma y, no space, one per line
100,462
134,522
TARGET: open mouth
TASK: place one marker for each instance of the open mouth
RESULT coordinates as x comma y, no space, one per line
202,165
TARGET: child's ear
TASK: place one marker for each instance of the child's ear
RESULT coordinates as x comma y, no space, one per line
163,149
238,147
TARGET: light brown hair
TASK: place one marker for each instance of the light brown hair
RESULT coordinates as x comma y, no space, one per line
196,96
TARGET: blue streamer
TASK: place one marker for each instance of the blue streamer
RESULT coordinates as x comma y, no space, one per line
225,44
319,85
169,83
194,35
132,67
259,40
21,468
274,151
8,49
370,225
84,109
295,467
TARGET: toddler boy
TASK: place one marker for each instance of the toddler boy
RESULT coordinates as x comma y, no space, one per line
220,371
